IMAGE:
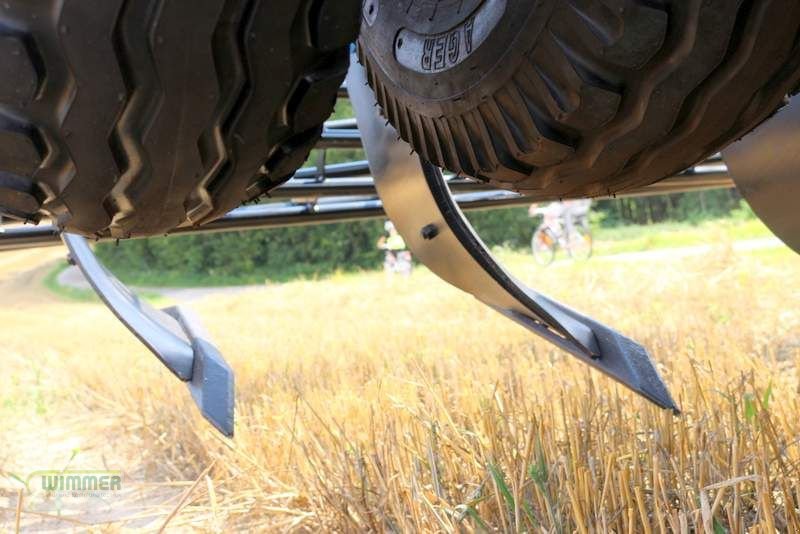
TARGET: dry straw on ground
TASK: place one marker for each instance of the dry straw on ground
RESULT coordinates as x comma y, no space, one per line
370,405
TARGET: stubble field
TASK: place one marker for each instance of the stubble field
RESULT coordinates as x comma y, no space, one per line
374,404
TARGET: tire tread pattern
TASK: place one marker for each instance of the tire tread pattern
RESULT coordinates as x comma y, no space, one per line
613,94
133,117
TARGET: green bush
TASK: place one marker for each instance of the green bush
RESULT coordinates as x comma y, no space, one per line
246,257
311,251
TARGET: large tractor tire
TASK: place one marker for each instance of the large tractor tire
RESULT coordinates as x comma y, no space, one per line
570,98
132,117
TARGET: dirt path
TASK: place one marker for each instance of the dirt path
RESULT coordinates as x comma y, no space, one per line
22,273
72,277
54,436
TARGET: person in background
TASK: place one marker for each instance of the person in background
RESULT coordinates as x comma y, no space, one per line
397,259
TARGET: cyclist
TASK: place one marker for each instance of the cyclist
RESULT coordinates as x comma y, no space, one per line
565,225
568,212
576,212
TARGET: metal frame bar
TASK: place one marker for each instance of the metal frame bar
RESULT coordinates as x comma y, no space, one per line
365,186
262,216
308,208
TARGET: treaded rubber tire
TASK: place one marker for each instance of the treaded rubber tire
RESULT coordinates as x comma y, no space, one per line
132,117
578,98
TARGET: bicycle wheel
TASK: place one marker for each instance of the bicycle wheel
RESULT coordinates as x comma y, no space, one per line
580,243
543,245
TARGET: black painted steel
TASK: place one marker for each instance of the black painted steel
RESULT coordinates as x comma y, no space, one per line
333,187
340,209
336,170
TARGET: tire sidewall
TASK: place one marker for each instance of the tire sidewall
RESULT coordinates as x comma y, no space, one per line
466,84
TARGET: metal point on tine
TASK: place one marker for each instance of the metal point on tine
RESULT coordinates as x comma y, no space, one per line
619,357
416,197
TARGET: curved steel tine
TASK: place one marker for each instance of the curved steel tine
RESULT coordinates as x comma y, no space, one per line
418,201
172,335
161,334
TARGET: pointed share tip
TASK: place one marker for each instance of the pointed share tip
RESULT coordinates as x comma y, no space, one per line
659,395
617,356
630,364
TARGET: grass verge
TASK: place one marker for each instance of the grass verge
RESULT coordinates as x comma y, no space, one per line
51,283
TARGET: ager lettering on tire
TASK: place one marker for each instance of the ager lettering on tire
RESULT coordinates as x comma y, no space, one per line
443,51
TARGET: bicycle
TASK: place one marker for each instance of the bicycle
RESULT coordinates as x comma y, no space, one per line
565,227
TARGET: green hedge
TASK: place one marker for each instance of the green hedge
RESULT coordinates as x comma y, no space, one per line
278,254
285,253
245,257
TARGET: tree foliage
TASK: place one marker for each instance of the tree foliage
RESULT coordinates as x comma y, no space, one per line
281,253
